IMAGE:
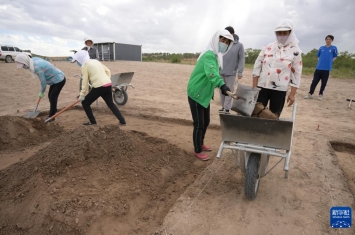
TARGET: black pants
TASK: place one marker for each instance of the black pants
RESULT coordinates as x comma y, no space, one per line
276,98
53,94
106,94
319,75
201,118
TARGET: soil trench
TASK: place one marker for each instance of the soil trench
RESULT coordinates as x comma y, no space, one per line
89,180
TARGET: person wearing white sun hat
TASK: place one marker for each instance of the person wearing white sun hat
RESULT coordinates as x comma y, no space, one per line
278,66
93,52
200,89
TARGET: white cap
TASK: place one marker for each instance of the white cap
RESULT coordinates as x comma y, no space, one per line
284,25
226,34
88,39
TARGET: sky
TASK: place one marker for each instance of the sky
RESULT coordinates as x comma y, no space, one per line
53,27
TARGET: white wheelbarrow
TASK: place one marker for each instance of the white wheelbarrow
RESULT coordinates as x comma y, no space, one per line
254,140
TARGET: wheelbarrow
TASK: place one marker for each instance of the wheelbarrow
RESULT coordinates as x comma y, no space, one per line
120,84
253,141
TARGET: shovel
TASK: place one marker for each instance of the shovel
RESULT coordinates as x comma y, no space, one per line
61,111
234,96
34,113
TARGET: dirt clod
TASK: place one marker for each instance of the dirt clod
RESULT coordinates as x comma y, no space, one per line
18,132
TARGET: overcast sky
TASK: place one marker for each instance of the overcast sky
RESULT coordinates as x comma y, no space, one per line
50,27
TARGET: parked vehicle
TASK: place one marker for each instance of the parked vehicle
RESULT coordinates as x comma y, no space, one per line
8,53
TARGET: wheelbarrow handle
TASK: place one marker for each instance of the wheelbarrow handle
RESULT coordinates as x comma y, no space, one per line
61,111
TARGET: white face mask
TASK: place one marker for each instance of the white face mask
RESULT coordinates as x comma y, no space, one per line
282,39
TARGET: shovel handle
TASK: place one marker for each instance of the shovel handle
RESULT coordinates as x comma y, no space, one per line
234,96
37,103
61,111
38,100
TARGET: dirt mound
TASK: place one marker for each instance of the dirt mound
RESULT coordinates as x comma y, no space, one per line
95,181
18,132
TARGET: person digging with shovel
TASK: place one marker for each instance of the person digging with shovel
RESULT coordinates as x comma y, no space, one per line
200,89
48,74
99,76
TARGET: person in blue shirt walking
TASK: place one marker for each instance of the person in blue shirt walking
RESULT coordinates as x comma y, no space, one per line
48,74
326,56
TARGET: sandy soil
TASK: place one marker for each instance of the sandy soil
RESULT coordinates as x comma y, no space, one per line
214,202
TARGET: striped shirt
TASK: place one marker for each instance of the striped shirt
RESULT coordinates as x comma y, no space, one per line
47,73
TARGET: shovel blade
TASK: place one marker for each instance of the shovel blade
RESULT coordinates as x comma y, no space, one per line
32,114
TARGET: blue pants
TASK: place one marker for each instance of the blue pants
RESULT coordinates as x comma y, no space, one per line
319,75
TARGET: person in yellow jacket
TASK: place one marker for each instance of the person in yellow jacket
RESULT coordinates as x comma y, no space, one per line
99,76
200,89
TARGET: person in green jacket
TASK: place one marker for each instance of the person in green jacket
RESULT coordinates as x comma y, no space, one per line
200,89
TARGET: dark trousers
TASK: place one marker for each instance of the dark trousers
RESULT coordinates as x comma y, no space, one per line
276,98
53,94
106,94
201,118
319,75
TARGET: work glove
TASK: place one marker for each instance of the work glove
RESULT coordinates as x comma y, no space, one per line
224,88
41,95
81,98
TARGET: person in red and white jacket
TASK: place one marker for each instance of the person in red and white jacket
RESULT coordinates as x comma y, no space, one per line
278,66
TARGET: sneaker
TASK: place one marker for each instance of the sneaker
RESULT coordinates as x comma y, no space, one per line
227,111
88,124
202,156
309,96
222,110
320,97
206,148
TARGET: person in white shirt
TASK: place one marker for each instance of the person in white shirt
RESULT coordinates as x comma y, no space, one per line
278,66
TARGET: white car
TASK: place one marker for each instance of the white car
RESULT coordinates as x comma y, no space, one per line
8,53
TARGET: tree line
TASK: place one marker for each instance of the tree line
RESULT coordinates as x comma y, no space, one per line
345,59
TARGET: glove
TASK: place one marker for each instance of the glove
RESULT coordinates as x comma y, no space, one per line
81,98
224,88
41,94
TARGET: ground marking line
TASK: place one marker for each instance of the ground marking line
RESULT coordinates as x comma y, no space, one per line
321,153
201,190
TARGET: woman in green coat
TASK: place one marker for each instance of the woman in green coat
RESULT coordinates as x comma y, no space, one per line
203,80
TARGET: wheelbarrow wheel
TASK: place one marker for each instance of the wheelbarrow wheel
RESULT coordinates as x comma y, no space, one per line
120,96
252,178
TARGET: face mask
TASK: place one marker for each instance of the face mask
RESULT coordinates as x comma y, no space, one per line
222,47
26,67
282,39
78,64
